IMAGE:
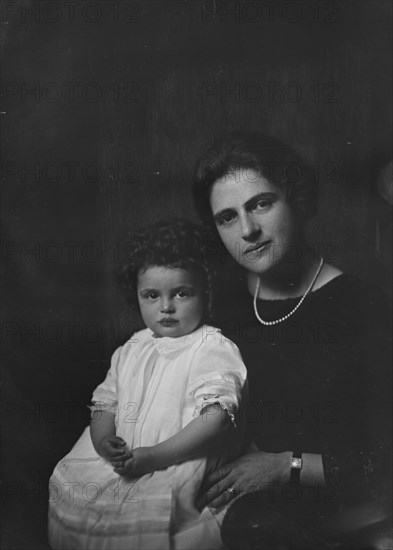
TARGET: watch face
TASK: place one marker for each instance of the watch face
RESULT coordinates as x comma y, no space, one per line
296,463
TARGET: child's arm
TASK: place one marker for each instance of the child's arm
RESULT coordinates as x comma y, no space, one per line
103,436
200,436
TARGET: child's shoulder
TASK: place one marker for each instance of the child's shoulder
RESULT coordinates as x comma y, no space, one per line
138,337
212,337
216,354
133,343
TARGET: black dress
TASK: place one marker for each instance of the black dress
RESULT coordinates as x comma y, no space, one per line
320,382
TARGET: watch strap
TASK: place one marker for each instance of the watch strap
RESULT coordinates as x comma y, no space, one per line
295,467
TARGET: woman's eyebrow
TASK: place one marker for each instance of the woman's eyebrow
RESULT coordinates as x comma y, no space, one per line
251,202
223,212
248,204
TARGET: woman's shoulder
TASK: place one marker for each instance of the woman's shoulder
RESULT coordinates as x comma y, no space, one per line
347,298
348,286
328,273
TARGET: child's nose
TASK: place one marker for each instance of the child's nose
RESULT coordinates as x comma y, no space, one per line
167,306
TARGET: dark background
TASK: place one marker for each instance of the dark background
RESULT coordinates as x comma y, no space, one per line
107,108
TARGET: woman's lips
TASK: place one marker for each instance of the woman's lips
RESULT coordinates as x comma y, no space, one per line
257,247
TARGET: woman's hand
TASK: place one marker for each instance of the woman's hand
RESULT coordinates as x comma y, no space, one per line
113,448
138,463
249,473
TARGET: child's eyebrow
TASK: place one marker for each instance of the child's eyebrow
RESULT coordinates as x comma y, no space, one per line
147,289
179,287
187,286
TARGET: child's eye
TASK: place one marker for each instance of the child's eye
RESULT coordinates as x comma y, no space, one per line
151,295
184,293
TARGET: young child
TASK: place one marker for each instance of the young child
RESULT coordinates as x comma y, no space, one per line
163,416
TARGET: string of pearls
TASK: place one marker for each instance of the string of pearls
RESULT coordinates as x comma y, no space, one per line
285,317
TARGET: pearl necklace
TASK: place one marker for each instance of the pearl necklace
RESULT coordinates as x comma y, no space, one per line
285,317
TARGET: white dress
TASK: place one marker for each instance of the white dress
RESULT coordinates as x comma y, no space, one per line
155,386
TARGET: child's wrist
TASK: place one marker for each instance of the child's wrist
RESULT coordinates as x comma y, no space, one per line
101,451
149,459
98,447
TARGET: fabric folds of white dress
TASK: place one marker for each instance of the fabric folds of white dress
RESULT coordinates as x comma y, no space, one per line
155,387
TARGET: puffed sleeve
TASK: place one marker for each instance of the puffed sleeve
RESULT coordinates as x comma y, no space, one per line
218,376
105,395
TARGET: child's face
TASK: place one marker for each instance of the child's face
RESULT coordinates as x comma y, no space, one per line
170,300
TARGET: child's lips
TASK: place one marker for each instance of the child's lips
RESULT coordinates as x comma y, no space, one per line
168,322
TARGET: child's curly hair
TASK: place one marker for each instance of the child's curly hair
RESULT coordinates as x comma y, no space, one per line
176,243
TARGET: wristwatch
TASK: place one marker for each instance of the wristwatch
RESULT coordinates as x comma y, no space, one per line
296,465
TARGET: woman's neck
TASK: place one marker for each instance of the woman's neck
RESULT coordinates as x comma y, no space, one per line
289,279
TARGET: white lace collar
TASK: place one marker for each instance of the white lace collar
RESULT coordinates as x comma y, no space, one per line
166,345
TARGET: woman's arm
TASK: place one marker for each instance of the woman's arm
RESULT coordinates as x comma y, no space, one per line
256,471
199,437
103,436
312,470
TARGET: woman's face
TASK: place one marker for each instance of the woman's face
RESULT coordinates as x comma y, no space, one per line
255,222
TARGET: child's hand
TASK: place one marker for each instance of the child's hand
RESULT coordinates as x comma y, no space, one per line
140,464
113,448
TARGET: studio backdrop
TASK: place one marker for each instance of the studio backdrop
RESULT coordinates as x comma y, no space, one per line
106,106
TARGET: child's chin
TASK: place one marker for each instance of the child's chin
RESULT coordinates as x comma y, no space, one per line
171,332
175,331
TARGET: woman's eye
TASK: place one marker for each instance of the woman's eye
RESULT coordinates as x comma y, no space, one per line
262,204
225,219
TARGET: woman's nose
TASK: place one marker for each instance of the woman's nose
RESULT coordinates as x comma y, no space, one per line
250,230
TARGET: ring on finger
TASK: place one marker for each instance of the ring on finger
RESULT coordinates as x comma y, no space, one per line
231,490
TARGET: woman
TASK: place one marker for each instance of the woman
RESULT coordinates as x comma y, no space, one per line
316,344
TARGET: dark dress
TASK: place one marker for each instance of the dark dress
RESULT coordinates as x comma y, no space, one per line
320,382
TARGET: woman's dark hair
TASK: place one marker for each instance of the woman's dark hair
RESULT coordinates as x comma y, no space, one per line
175,243
268,157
